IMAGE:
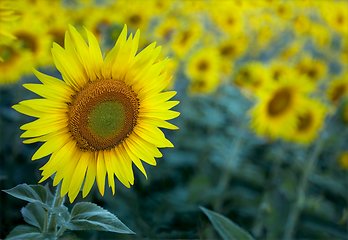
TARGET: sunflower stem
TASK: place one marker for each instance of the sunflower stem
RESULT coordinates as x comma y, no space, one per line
265,201
45,221
61,231
57,202
301,192
231,163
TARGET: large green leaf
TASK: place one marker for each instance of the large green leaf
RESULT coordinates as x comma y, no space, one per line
89,216
225,227
28,233
34,215
32,193
35,194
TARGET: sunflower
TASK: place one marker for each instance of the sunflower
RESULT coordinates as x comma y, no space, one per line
278,107
309,122
253,76
8,15
13,63
338,89
103,117
343,160
336,15
313,69
205,63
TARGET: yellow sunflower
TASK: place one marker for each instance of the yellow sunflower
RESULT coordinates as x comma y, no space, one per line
103,117
309,122
278,107
343,160
206,62
8,15
13,63
253,76
311,68
338,89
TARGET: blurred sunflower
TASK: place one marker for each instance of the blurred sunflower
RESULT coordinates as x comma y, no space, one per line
13,64
309,122
343,160
206,62
185,39
253,76
280,70
8,15
336,15
338,89
103,117
313,69
277,110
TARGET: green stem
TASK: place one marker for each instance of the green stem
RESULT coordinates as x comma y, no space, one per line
57,202
226,171
61,231
45,221
301,193
262,209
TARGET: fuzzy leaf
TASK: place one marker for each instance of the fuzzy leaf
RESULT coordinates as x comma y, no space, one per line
50,197
28,233
35,194
89,216
32,193
34,215
225,227
68,236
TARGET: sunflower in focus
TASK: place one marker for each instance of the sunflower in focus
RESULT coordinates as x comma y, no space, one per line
309,122
104,115
278,107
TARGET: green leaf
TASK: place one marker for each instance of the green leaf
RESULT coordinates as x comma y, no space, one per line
28,233
226,228
50,196
33,193
68,236
89,216
34,215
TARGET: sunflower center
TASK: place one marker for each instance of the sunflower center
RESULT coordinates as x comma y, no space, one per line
279,103
203,65
107,119
338,92
28,41
103,114
304,122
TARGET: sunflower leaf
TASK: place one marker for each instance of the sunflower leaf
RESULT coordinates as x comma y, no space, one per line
225,227
35,194
27,232
32,193
69,236
34,215
89,216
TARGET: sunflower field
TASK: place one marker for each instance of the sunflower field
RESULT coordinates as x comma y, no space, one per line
173,119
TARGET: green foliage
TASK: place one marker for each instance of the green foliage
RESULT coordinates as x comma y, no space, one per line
45,210
89,216
226,228
27,232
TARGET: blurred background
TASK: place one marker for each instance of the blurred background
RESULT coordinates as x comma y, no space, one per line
263,136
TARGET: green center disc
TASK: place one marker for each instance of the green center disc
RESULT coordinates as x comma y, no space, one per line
107,119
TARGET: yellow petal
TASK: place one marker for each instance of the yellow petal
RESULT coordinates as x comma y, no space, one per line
90,176
101,172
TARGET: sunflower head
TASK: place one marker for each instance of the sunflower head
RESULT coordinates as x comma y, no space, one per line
103,117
